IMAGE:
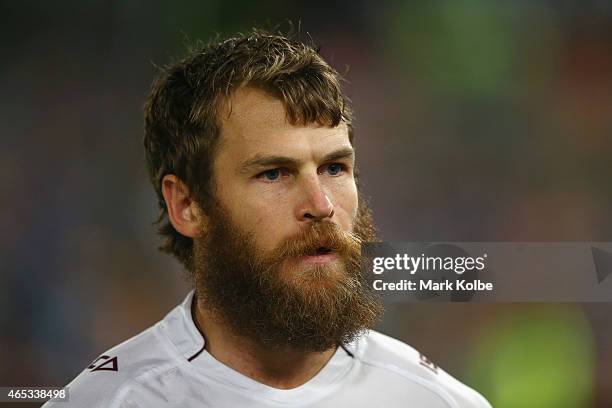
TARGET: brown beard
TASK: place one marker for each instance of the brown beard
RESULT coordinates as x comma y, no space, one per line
264,298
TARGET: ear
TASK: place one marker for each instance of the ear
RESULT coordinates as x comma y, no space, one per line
183,212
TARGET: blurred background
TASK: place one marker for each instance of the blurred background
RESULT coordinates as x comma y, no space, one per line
477,121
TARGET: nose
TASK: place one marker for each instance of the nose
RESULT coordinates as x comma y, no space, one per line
315,204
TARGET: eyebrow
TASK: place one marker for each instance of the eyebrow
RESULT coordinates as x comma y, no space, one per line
275,160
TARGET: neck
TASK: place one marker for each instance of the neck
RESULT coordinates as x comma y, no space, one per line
278,368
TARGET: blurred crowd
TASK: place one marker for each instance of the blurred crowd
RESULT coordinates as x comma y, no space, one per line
476,121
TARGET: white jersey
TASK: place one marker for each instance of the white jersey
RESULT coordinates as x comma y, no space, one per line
167,366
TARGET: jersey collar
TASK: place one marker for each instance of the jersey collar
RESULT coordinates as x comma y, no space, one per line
180,328
182,331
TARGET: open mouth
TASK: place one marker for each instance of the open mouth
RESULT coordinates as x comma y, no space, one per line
319,255
323,250
320,251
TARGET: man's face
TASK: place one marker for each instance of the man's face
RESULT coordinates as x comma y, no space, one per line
279,259
276,179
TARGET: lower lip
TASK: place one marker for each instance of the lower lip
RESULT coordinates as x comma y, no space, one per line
318,259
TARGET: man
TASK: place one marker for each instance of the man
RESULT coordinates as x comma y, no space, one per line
249,145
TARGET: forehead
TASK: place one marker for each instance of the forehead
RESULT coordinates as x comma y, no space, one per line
255,122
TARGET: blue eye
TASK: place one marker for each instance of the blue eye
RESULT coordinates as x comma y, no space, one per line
334,169
271,175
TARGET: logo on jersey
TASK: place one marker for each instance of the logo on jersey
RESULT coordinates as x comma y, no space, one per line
427,363
104,363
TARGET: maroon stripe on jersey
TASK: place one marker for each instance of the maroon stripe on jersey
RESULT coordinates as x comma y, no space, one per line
347,352
197,354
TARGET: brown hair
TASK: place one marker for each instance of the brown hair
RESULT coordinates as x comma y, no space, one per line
182,110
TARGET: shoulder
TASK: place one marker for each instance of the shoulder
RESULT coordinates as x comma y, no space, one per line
112,373
386,353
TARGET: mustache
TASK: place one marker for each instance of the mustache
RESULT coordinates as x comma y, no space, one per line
319,237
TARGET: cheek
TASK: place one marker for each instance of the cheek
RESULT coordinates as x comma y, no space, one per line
346,205
261,214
